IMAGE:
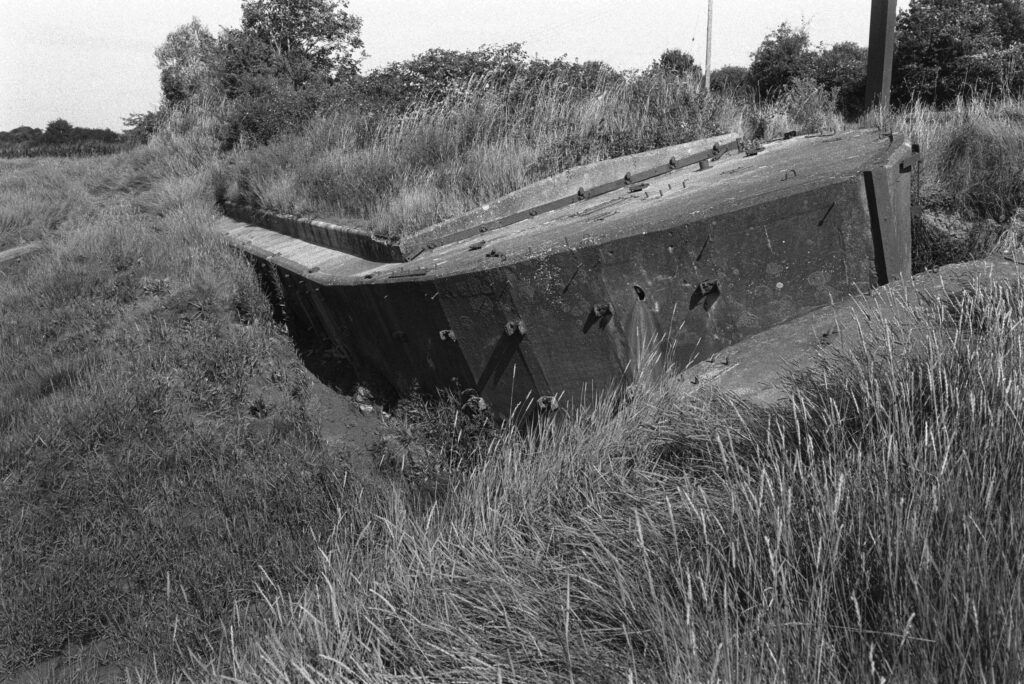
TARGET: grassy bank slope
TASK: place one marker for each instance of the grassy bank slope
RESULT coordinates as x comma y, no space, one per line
158,460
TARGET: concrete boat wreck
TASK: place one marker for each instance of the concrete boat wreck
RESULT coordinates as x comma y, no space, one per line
559,289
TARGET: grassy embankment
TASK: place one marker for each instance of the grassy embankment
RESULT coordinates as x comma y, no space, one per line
407,172
159,462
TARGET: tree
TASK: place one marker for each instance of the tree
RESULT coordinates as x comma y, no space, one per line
842,69
729,79
948,48
138,128
184,59
319,33
58,131
277,69
678,63
437,71
783,55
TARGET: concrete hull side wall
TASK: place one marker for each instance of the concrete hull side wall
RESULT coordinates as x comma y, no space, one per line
594,314
579,301
571,322
342,238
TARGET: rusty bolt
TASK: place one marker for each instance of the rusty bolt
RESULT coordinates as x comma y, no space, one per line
513,328
447,335
547,404
602,309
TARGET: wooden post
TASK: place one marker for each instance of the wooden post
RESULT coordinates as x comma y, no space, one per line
707,55
880,48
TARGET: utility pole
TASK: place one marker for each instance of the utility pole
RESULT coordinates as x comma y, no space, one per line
880,47
707,56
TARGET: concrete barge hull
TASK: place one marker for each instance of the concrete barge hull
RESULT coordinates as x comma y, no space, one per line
571,301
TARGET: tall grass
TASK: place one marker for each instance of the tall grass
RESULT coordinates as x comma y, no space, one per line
408,171
158,458
975,153
38,197
163,486
869,530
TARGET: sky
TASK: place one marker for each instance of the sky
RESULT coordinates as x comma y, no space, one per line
91,61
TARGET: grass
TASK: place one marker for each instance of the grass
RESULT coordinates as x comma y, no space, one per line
164,486
972,182
407,172
398,174
869,530
975,151
37,197
74,149
158,459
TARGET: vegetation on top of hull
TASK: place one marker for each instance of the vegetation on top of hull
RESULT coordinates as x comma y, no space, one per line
407,171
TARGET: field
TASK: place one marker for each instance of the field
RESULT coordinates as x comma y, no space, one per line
169,488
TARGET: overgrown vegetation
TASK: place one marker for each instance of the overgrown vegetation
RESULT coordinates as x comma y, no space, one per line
157,458
869,529
443,157
165,486
163,475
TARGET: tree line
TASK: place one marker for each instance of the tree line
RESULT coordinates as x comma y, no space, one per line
59,138
290,59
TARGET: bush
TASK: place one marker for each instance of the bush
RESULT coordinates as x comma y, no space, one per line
782,56
804,105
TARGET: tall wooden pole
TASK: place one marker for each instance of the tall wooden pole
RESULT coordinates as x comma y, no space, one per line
707,55
880,47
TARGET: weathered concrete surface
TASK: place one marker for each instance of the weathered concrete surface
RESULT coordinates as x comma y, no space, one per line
758,367
568,300
344,238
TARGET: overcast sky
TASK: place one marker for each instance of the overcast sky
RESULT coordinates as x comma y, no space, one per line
91,61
